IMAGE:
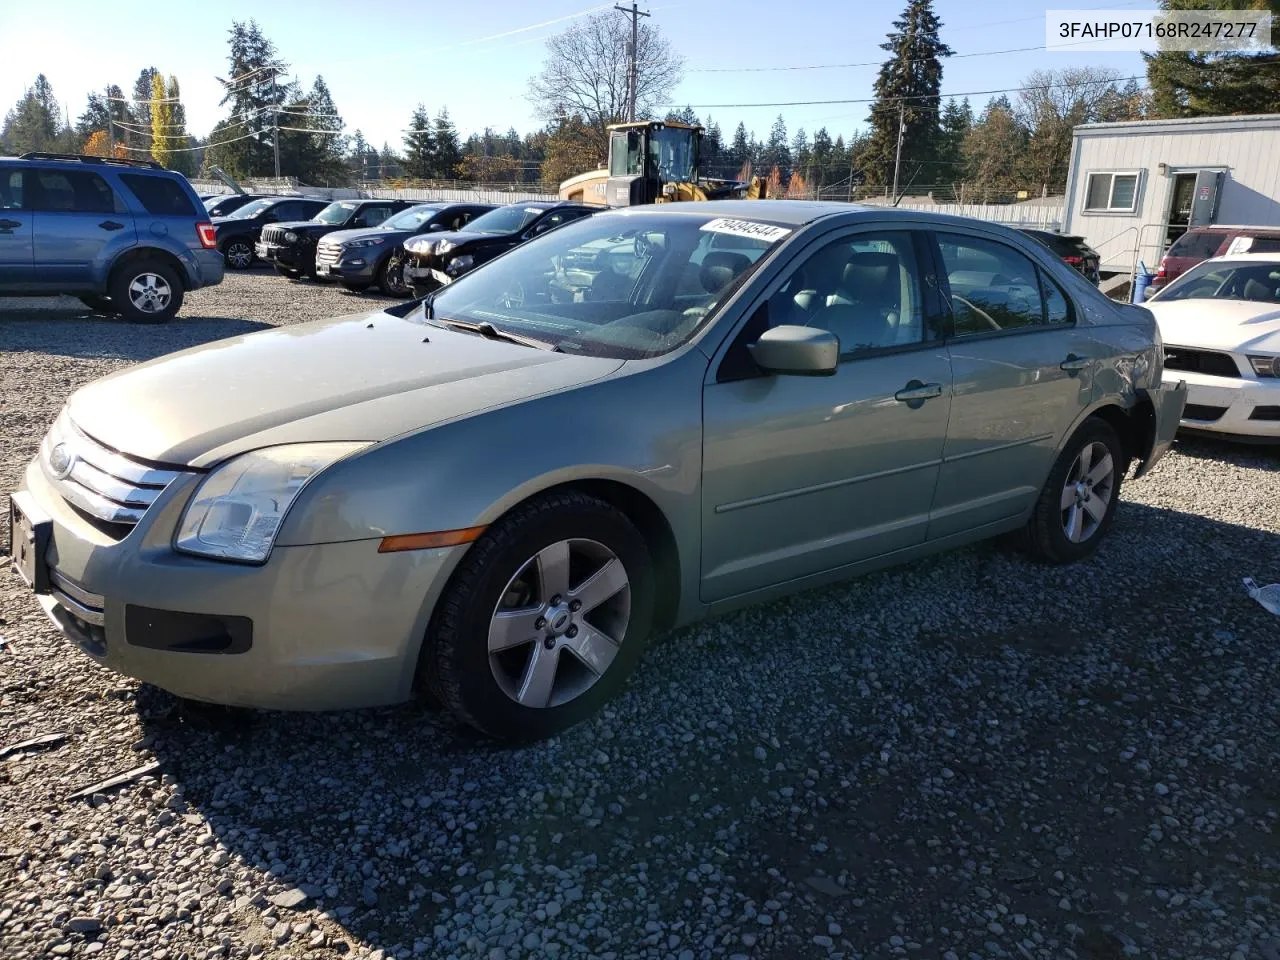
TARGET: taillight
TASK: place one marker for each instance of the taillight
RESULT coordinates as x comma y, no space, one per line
208,236
1074,261
1160,271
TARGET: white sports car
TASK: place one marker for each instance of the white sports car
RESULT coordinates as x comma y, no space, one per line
1221,327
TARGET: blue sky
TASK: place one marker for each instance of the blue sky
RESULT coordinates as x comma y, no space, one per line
380,60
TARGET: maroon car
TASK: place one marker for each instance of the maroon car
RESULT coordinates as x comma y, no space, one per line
1200,243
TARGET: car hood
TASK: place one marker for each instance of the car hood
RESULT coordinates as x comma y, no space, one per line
1240,326
392,237
429,243
307,226
364,377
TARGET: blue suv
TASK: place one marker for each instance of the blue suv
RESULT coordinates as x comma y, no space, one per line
124,236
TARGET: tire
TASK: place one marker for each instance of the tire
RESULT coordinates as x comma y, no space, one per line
146,291
499,693
238,254
391,278
97,303
355,287
1066,524
288,272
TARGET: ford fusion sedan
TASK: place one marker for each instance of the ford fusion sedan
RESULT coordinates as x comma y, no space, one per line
1221,326
359,259
432,261
499,493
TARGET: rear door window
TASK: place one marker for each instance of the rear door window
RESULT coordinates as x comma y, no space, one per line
994,287
1198,244
159,196
73,191
12,196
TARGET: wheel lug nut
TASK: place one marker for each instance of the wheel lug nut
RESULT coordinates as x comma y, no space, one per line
549,642
540,623
571,632
555,601
575,605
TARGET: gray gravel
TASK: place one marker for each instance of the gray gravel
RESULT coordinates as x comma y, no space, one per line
970,757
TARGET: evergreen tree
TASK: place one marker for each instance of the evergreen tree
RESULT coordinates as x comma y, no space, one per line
1187,84
254,90
446,153
418,148
957,118
907,95
183,157
573,147
139,136
314,151
359,160
822,165
684,116
713,150
34,123
388,162
801,154
993,150
740,149
777,151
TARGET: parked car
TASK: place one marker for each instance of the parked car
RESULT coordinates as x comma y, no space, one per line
229,203
437,259
124,236
292,246
361,258
1202,243
1074,251
238,232
1221,327
498,492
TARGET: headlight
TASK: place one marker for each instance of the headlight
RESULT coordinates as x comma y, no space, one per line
421,247
444,246
237,510
1266,366
458,264
370,242
290,236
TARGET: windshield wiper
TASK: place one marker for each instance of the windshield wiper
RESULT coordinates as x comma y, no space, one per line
487,330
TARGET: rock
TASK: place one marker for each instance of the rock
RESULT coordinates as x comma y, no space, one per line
84,924
289,899
826,885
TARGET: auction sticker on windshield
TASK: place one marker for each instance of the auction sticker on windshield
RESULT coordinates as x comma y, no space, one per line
747,228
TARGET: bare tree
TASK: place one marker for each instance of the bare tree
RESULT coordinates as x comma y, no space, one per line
1050,104
585,72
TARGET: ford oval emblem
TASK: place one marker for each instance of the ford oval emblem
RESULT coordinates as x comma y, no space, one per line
61,461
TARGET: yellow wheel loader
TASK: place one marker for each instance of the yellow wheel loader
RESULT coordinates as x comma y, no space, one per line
653,161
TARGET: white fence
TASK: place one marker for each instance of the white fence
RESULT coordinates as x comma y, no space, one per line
477,193
1037,215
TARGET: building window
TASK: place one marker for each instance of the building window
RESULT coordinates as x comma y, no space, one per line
1112,191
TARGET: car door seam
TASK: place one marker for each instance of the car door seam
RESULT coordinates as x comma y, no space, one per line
821,487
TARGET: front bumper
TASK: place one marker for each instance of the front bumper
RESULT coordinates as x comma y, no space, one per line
292,257
330,626
1235,406
425,275
358,269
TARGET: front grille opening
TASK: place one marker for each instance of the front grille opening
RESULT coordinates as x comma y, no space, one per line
1202,412
1200,361
116,531
1265,413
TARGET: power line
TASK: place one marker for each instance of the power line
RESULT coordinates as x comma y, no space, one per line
967,93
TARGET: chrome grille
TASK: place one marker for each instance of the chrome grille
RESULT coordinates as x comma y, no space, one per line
328,253
273,235
104,484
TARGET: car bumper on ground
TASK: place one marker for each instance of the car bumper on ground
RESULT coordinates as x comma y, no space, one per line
1228,405
328,626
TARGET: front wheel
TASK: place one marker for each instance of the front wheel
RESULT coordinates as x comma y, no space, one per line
1078,503
146,291
238,254
391,277
544,619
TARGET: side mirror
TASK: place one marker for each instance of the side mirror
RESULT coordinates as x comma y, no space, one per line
1150,292
435,227
541,228
797,351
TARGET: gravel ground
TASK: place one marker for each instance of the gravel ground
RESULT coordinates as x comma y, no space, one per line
970,757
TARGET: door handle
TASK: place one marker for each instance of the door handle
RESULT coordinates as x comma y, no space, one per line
8,225
917,392
1074,364
111,225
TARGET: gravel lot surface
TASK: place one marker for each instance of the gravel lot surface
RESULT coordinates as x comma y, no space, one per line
970,757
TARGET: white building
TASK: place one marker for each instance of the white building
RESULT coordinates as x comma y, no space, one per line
1135,187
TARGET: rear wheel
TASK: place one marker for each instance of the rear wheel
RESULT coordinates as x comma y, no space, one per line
238,254
146,291
544,619
1078,503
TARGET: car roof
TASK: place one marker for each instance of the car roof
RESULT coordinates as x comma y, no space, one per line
1273,257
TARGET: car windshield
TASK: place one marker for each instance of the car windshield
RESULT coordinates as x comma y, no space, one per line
212,202
625,285
411,219
335,213
251,209
1216,280
509,219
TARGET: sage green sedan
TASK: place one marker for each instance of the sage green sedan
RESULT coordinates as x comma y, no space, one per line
638,419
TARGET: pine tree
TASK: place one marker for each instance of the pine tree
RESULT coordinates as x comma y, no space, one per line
957,118
388,162
712,150
821,151
317,157
777,151
572,147
907,95
446,153
139,134
359,158
801,154
253,89
740,149
1209,84
418,148
34,122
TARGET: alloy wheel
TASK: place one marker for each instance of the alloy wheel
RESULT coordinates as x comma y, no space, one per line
559,623
1087,492
150,293
239,255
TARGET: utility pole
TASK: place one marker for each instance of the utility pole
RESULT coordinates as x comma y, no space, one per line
897,157
111,123
632,72
275,122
